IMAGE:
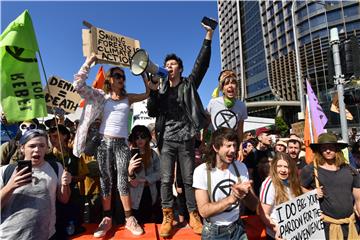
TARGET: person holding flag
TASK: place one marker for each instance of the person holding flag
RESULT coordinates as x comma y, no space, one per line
340,185
111,104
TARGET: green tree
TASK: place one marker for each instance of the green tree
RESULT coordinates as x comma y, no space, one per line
281,126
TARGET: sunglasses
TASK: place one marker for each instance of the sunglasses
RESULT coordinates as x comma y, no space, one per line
140,136
118,76
24,126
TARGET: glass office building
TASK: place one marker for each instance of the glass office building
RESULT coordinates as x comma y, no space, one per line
313,21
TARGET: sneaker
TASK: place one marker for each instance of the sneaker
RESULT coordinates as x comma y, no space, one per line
133,226
103,228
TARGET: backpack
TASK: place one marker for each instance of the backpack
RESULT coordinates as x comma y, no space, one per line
10,169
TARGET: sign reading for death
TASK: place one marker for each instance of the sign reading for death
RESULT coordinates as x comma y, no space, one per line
60,93
109,47
299,218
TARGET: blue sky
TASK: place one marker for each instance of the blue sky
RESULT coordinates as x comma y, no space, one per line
162,27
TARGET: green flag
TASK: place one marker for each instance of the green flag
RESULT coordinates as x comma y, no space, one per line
22,97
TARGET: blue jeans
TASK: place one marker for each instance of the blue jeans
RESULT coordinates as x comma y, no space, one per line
234,231
184,152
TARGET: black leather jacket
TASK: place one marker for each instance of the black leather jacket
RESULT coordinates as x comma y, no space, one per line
188,95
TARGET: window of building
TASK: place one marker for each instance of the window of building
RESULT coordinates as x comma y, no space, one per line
302,13
284,51
282,28
283,40
320,33
351,11
352,26
316,21
304,40
313,7
334,15
280,16
304,26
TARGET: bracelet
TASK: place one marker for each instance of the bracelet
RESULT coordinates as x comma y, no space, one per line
132,177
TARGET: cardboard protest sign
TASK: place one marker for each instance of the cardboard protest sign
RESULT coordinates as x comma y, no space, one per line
60,93
300,218
109,47
298,128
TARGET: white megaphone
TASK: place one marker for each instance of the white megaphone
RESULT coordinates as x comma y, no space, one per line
140,63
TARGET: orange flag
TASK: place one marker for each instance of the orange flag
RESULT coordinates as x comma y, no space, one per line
98,83
307,138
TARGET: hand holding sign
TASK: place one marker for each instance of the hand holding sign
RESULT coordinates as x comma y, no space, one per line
91,60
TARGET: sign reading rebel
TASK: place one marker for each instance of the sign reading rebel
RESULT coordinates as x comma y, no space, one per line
60,93
299,218
109,47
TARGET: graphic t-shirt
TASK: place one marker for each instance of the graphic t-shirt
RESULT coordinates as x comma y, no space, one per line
222,116
221,182
30,211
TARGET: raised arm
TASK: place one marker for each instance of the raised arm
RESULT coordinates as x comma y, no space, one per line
203,59
79,83
17,179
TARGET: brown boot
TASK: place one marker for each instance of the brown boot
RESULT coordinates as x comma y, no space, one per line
166,226
195,222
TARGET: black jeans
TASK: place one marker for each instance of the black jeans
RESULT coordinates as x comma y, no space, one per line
185,154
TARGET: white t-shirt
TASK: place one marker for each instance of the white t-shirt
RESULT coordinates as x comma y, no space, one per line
267,196
221,181
221,116
31,211
115,118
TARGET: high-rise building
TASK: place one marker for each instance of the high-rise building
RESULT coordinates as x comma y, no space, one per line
242,48
275,63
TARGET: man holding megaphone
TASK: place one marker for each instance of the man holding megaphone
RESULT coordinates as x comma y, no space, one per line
179,115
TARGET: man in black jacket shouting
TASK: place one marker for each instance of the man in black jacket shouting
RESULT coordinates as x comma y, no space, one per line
179,115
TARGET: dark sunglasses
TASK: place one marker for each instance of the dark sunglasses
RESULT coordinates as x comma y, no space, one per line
140,136
24,126
118,76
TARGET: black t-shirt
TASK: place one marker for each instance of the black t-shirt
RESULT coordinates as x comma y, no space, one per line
337,186
263,158
177,125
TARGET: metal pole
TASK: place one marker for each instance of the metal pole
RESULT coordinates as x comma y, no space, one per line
339,81
298,69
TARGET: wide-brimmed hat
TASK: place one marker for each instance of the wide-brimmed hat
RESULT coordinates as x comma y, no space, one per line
327,138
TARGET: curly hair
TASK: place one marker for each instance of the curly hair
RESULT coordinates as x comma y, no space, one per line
281,195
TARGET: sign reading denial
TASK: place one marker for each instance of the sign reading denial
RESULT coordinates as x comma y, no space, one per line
300,218
61,94
109,47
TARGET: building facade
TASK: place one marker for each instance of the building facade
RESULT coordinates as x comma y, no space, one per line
313,21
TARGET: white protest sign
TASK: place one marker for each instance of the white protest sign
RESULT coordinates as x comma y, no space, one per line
109,47
60,93
299,218
140,114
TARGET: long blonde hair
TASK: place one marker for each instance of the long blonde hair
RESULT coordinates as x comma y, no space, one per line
281,195
339,158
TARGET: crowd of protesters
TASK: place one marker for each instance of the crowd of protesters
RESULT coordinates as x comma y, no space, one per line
95,171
